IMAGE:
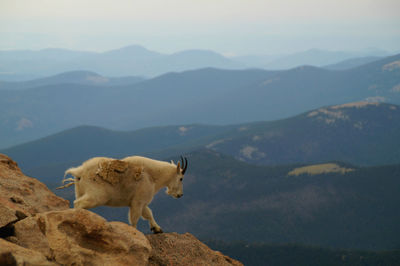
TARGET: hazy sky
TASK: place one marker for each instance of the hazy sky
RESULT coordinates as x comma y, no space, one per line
231,27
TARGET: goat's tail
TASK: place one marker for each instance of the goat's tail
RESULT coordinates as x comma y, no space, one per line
72,171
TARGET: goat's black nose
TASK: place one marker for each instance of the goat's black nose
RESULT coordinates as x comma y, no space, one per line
180,195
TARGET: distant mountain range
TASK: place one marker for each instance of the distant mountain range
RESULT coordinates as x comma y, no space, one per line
358,133
73,77
312,57
34,113
205,96
132,60
352,63
136,60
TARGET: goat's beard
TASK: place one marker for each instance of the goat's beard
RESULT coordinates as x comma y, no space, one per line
169,193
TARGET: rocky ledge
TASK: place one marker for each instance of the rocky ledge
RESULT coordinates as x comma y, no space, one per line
39,228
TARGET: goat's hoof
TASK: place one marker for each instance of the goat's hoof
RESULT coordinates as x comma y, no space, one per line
156,230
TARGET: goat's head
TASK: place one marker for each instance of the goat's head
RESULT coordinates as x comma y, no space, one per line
175,186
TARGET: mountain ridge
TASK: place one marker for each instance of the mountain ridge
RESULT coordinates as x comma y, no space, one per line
136,60
352,62
133,60
204,96
361,133
82,77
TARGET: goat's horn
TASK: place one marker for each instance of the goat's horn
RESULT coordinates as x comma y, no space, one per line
184,168
182,163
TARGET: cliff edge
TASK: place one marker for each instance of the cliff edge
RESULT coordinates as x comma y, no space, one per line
39,228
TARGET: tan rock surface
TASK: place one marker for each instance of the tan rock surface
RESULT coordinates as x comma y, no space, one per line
25,194
12,254
176,249
81,237
7,215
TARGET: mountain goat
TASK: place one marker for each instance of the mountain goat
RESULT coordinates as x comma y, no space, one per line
132,181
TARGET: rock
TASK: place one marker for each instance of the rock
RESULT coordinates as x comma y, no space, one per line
11,254
7,215
80,237
177,249
24,195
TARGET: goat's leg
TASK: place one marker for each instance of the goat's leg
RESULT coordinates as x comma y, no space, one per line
135,211
148,215
85,202
78,190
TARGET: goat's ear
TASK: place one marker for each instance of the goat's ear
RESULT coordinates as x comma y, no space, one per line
178,167
172,162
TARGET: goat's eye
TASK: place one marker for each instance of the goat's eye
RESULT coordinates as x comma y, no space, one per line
181,179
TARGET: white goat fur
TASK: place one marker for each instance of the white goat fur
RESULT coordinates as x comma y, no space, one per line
135,185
